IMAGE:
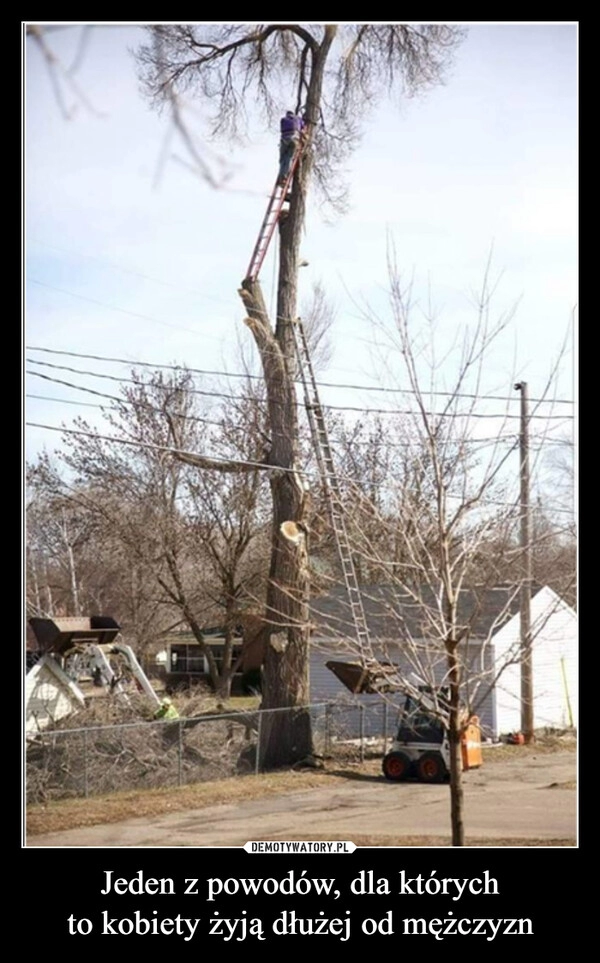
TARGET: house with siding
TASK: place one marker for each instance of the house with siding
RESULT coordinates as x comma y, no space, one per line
403,632
184,660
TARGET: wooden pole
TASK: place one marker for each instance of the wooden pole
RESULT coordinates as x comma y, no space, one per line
527,720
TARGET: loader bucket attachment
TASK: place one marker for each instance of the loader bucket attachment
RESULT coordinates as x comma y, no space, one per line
60,635
369,678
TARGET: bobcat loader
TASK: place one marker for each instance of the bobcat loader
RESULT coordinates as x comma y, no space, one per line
421,748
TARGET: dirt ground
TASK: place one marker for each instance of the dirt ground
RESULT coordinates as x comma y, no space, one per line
521,796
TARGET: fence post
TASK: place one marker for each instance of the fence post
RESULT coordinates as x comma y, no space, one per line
385,726
361,713
258,736
180,754
85,763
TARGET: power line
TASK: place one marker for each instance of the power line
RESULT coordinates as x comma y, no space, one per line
350,442
194,291
277,317
220,394
323,384
481,442
214,461
166,448
149,364
131,381
123,401
65,401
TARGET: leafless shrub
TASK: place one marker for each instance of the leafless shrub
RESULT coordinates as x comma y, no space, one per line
99,759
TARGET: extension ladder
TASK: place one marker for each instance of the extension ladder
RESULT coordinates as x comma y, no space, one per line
327,471
276,202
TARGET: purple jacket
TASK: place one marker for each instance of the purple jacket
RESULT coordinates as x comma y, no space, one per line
291,124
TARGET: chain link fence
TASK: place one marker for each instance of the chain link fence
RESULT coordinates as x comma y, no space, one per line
71,763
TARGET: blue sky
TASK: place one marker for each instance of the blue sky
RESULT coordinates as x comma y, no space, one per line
130,255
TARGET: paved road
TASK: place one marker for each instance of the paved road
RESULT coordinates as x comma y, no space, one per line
528,798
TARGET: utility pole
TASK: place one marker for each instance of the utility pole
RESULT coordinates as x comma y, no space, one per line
525,595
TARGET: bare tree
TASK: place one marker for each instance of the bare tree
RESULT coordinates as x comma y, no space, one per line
335,73
57,547
193,542
461,505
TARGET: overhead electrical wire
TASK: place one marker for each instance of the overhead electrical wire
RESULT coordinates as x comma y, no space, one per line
350,441
193,291
241,463
220,394
321,384
249,376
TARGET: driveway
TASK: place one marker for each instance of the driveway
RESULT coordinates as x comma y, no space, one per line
528,800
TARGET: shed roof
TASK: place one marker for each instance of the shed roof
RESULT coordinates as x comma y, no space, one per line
393,613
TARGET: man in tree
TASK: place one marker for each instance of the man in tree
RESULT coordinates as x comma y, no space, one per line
291,127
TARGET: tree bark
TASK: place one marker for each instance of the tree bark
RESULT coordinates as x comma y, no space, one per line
286,737
454,736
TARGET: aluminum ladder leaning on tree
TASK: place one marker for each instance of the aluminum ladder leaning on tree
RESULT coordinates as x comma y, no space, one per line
327,472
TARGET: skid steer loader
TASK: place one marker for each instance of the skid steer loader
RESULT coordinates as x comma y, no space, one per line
421,748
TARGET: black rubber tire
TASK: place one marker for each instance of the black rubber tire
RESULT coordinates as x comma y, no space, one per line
430,767
396,766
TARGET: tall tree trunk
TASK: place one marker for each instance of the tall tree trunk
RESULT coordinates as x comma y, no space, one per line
454,735
286,737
